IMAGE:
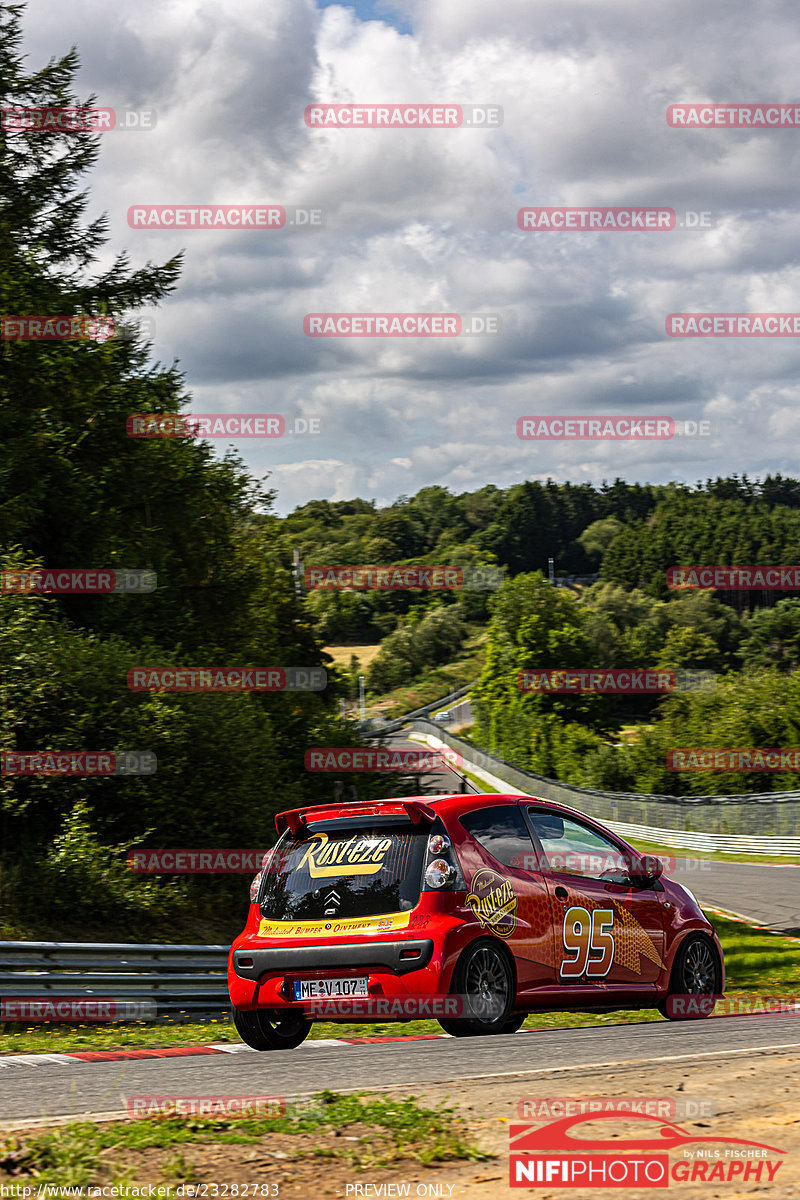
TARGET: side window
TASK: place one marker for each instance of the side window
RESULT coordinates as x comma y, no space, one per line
502,831
572,848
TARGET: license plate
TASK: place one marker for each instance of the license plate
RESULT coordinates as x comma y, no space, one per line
313,989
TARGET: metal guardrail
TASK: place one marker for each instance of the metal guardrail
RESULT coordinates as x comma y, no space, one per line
754,822
175,978
568,580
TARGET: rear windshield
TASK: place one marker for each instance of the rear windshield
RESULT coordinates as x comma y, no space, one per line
345,873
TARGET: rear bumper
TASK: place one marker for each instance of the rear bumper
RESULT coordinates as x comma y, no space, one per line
402,969
399,957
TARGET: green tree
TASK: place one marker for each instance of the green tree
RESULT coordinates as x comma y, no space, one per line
773,637
598,536
533,625
422,641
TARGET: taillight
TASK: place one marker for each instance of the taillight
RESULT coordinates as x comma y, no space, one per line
442,868
254,886
439,873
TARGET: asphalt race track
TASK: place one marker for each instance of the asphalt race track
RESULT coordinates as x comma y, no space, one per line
49,1089
765,894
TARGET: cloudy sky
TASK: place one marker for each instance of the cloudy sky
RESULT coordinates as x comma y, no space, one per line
426,221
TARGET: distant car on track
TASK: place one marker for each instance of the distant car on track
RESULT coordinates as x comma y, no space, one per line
478,909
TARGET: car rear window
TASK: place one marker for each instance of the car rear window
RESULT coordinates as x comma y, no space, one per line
326,872
502,831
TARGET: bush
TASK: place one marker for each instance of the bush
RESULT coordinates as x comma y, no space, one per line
436,638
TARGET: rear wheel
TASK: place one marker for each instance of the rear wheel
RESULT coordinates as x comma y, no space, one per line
458,1028
484,978
695,972
271,1029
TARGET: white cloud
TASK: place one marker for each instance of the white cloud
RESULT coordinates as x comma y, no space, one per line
426,221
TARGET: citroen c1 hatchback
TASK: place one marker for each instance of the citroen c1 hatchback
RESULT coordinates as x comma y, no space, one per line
475,909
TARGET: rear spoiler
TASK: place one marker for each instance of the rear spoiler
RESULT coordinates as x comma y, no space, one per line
299,818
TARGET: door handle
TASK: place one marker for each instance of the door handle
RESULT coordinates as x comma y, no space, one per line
561,892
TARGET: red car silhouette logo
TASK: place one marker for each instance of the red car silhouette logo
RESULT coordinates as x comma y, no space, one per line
556,1136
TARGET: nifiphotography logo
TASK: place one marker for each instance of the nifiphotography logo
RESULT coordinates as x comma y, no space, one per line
556,1155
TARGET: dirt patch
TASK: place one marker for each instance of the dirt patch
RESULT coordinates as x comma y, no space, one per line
302,1164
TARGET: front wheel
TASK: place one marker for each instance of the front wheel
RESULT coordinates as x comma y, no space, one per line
695,972
271,1028
484,979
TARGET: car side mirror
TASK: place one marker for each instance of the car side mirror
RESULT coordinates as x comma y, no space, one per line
650,869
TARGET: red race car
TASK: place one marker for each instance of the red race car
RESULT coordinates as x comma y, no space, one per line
475,909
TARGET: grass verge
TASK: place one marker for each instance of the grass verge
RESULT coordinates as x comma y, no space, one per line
355,1132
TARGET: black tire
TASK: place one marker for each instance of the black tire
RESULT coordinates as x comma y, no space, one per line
453,1027
695,972
271,1029
484,976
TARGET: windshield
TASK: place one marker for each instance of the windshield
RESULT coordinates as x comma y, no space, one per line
363,872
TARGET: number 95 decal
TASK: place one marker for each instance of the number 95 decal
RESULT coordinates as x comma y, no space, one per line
586,934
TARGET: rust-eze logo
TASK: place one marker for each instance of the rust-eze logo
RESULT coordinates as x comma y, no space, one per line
554,1156
493,901
357,856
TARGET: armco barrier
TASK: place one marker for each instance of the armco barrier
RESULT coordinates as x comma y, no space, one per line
755,823
176,978
400,722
